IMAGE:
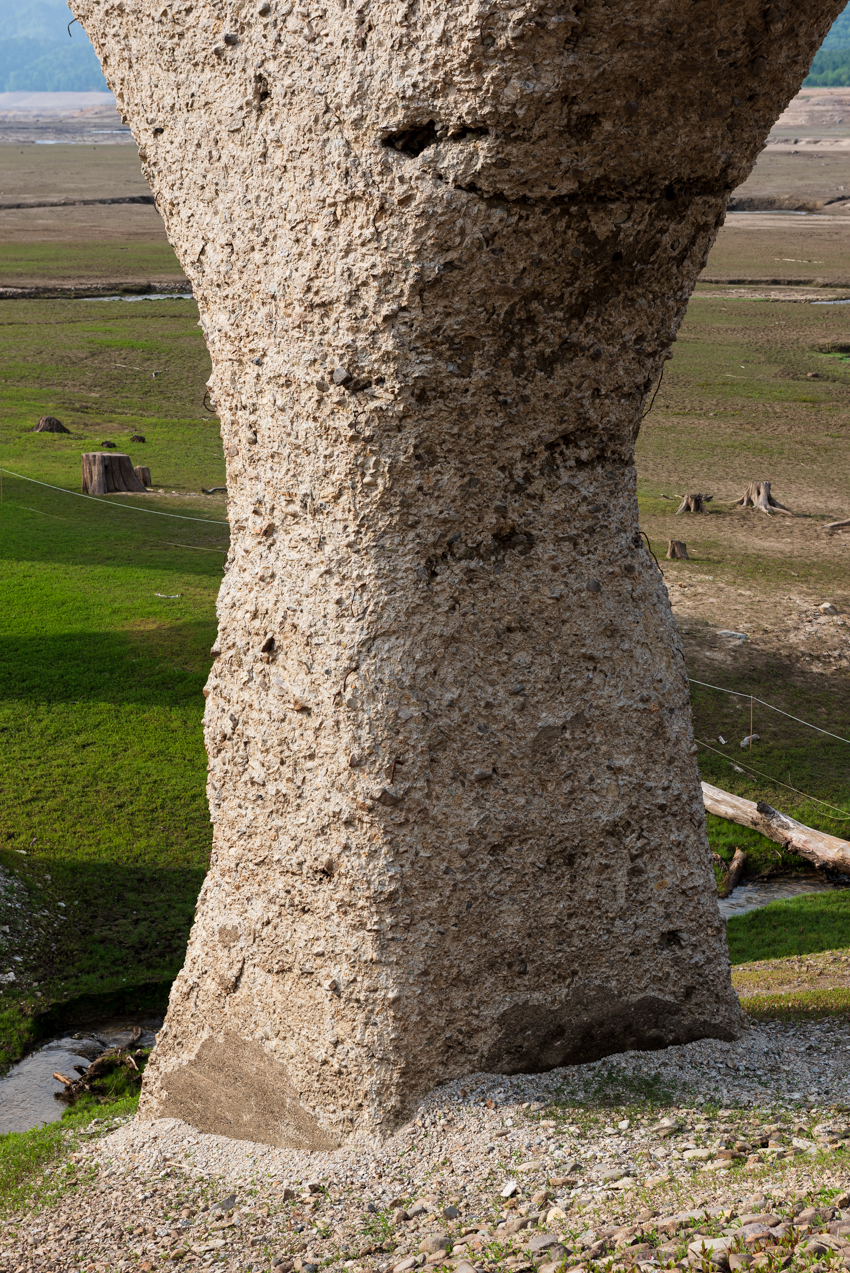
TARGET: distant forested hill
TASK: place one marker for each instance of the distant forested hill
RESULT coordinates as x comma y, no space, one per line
839,32
36,53
831,67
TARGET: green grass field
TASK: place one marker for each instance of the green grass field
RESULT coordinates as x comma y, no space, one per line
798,926
35,1166
737,402
63,263
103,818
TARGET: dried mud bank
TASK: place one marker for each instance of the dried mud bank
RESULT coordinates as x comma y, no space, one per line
573,1168
440,258
776,623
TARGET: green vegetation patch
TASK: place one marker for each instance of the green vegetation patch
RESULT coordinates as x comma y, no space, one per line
29,264
798,1005
108,370
34,1165
106,624
19,1033
796,926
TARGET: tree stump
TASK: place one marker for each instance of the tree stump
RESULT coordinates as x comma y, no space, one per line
108,473
447,255
694,503
677,551
143,473
49,424
758,495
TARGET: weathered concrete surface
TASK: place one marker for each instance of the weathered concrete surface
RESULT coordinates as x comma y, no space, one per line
441,252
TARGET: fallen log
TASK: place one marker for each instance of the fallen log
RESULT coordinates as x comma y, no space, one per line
831,526
733,875
816,846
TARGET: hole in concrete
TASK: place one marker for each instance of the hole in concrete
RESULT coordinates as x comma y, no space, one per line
261,92
412,141
468,134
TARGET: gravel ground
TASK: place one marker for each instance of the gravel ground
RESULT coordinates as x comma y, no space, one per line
613,1161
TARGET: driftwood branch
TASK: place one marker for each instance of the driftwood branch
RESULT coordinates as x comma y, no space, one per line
102,1068
733,875
758,495
831,526
816,846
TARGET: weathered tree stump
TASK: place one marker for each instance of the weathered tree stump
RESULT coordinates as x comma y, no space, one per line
49,424
143,473
758,496
677,551
440,254
694,503
108,473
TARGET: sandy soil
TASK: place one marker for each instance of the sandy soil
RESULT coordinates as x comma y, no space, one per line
824,110
124,223
32,174
40,176
782,249
825,971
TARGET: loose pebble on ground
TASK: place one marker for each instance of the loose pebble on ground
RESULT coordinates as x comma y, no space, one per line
706,1155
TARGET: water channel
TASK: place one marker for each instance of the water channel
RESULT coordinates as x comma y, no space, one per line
28,1092
751,896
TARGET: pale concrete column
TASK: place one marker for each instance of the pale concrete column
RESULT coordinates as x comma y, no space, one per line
441,253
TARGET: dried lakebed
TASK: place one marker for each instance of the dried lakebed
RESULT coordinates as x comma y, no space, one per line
560,1169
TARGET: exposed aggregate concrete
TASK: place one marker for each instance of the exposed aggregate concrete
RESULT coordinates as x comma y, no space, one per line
440,254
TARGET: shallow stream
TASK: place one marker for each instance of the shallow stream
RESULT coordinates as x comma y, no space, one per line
749,897
28,1092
